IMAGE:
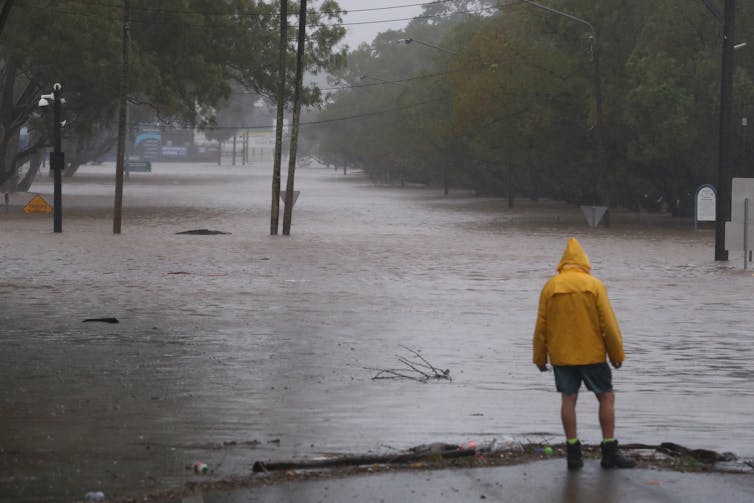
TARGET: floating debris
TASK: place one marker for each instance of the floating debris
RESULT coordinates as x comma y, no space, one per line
203,232
443,451
418,370
102,320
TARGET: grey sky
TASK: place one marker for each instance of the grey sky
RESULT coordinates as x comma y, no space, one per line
392,14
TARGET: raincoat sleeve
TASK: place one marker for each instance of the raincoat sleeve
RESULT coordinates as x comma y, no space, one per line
610,328
540,330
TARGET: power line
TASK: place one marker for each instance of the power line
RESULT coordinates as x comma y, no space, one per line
312,123
231,15
372,9
373,114
118,5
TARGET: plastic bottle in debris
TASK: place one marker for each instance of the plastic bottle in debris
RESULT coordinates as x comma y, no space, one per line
94,497
200,468
503,444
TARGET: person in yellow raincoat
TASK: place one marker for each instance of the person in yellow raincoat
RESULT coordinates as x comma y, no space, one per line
577,329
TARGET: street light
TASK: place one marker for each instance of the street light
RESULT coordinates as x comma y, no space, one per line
57,158
595,64
407,41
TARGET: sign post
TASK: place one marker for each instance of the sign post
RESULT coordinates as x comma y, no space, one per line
746,233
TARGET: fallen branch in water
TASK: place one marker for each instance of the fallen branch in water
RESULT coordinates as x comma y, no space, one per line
676,450
417,454
417,370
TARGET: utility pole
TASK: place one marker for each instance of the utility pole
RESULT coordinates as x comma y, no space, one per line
122,121
57,161
275,213
597,85
723,209
57,158
596,77
288,209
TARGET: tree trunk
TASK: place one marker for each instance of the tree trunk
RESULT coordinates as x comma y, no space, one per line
288,210
35,162
7,6
275,212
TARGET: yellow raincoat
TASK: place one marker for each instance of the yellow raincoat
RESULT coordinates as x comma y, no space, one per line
575,322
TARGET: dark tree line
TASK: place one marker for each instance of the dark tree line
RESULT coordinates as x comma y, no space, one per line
505,103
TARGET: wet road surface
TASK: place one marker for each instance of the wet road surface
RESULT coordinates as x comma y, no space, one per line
241,347
543,481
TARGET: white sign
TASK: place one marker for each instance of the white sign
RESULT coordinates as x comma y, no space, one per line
743,189
706,200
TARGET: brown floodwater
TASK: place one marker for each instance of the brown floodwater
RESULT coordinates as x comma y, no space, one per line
244,347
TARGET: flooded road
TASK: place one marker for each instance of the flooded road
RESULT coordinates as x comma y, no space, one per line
244,347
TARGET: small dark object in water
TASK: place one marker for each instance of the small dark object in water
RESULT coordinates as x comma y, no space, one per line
103,320
203,232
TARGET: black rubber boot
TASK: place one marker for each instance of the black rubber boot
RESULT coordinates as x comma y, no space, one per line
612,457
573,452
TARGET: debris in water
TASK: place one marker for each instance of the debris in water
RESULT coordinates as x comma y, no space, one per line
417,454
94,497
203,232
102,320
418,370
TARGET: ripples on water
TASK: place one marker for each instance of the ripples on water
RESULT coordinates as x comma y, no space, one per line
244,347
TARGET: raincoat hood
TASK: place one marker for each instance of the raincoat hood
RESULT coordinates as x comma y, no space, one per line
574,255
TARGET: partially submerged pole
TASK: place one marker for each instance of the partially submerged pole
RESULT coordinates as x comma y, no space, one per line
122,122
723,210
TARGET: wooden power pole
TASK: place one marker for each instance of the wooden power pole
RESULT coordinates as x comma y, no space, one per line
122,121
723,209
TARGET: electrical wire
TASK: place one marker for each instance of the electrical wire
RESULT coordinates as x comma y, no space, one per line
162,21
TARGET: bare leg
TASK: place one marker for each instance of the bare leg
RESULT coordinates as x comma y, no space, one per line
568,414
607,413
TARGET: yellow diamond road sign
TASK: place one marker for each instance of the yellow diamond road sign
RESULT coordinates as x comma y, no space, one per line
37,205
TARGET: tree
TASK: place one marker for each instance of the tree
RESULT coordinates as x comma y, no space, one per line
185,56
520,114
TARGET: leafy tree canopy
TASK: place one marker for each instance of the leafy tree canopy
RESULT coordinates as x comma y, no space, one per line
581,101
186,57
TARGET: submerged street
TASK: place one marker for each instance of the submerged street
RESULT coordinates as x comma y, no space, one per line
244,347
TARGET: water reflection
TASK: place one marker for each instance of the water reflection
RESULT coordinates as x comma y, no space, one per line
259,348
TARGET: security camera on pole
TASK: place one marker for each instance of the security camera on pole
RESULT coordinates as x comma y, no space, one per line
57,158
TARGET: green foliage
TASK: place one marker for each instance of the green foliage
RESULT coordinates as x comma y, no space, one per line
514,111
186,57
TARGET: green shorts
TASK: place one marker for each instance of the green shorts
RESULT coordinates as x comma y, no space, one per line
597,378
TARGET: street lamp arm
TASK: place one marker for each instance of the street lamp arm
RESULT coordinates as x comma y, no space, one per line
426,44
713,9
564,14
